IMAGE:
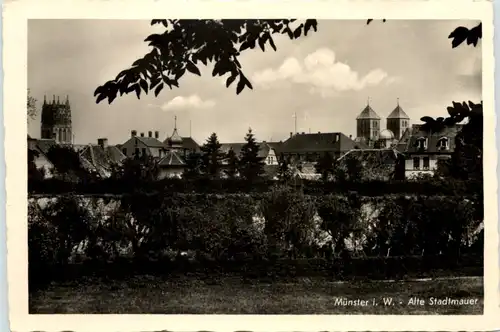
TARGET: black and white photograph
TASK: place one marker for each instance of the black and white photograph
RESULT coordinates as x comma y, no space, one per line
255,166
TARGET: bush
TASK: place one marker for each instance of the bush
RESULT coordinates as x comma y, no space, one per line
241,228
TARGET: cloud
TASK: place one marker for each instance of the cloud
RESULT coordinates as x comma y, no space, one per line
190,102
320,70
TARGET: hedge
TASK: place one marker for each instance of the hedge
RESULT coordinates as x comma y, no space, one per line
271,230
430,186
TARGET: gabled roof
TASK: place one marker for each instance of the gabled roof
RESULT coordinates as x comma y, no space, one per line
172,158
368,113
236,147
320,142
417,131
190,144
151,142
101,158
398,113
45,144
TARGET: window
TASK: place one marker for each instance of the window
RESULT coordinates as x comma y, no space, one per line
124,151
416,163
143,151
136,152
426,163
443,143
422,143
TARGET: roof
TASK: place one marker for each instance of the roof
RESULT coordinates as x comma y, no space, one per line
264,148
190,144
175,138
171,159
320,142
151,142
398,113
416,132
378,164
101,158
368,113
45,144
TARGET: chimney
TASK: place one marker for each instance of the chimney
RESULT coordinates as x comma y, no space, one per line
337,137
142,134
350,136
157,134
133,133
303,133
102,142
150,133
319,132
291,134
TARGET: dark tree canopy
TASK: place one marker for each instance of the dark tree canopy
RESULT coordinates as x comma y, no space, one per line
185,44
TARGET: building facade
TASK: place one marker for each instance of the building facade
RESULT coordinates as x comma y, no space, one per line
56,121
424,148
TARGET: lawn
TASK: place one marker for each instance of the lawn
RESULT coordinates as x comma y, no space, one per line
232,295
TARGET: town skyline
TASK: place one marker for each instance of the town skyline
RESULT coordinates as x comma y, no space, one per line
325,79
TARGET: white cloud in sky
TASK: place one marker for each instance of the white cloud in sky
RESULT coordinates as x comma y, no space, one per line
189,102
320,70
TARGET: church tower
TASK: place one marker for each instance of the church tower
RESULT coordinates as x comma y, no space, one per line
56,120
368,125
398,121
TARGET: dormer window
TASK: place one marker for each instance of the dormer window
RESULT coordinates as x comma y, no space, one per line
443,143
422,143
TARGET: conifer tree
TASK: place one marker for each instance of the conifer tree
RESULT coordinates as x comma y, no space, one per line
193,166
284,171
212,156
232,164
251,166
325,166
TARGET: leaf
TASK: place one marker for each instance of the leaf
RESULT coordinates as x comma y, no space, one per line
369,21
180,73
191,67
298,31
144,85
271,42
244,46
101,97
138,91
458,35
240,86
262,42
111,98
427,119
158,89
230,80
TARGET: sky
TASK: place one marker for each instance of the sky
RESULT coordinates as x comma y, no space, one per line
326,79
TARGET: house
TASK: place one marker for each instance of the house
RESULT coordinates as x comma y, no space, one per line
423,148
37,151
266,151
378,164
101,157
144,146
304,147
171,165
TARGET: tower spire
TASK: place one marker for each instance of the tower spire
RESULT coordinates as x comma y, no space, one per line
368,101
175,122
67,100
44,99
397,101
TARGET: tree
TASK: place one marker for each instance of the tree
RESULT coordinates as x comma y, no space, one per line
212,156
232,164
251,165
325,166
193,166
67,163
184,43
284,171
31,106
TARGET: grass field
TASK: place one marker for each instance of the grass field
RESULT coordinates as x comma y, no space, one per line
157,295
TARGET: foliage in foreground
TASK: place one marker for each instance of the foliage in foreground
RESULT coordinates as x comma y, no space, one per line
281,224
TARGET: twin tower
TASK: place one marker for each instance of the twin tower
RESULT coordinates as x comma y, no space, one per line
368,125
56,120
